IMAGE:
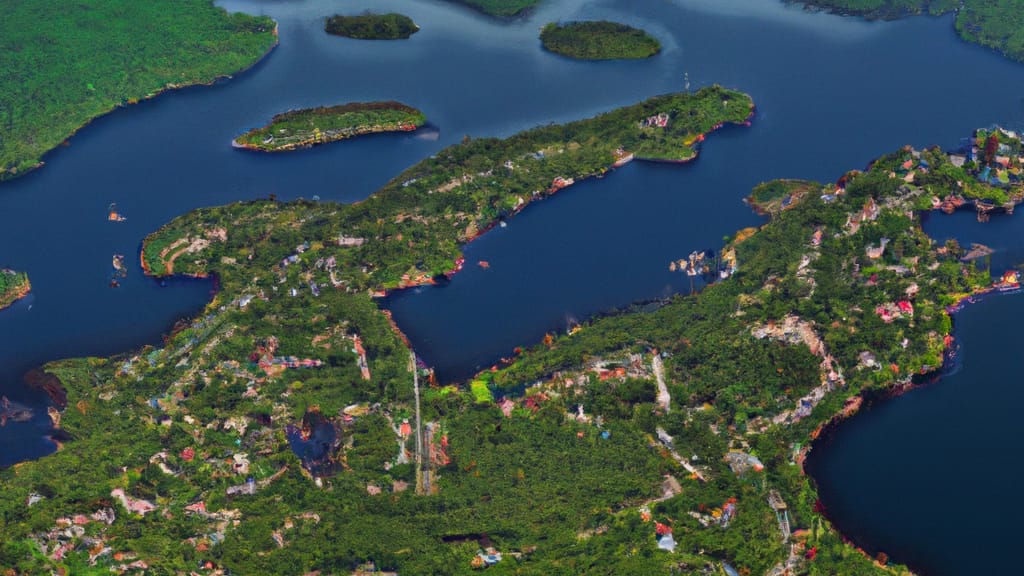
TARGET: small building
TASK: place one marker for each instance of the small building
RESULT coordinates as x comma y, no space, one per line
486,558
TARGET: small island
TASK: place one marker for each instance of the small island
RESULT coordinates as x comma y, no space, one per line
391,26
599,40
771,198
13,287
309,127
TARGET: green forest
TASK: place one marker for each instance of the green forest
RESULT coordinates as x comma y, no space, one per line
13,285
501,8
580,456
422,215
997,24
300,128
61,65
391,26
600,40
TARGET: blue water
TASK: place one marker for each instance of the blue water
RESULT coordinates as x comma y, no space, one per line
932,477
832,93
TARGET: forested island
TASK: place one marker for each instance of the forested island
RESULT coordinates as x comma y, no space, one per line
309,127
598,40
61,66
391,26
991,23
501,8
284,416
13,287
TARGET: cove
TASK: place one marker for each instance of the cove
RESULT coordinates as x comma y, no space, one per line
930,477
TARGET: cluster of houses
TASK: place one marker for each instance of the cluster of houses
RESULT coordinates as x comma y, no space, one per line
69,535
662,532
894,310
719,516
656,121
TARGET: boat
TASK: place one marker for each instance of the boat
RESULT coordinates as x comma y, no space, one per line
119,268
113,215
484,264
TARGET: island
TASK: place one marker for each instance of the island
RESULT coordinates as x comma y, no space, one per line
501,8
770,198
312,126
598,40
88,73
289,427
13,287
991,23
391,26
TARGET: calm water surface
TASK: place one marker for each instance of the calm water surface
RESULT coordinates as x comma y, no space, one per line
832,93
933,477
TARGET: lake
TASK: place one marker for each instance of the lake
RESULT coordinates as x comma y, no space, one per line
832,93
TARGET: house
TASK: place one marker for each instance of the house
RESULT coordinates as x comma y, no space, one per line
875,252
816,237
350,241
663,533
487,557
506,406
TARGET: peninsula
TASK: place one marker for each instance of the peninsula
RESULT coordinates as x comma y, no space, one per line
598,40
312,126
283,416
291,412
391,26
13,287
88,73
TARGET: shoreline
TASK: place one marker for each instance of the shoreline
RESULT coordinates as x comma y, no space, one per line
460,260
5,175
10,299
359,132
868,398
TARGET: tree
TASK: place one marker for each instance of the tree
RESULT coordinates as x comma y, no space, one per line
991,147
